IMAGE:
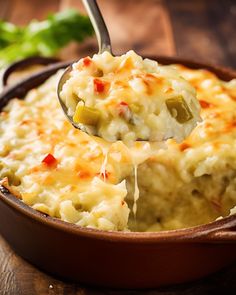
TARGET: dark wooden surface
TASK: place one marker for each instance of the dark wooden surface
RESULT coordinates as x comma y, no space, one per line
204,30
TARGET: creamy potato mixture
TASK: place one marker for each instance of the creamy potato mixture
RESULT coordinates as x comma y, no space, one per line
130,98
85,180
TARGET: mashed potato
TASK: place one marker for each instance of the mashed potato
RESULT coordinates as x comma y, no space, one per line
128,98
82,179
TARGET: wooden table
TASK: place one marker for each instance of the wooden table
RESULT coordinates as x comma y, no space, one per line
198,29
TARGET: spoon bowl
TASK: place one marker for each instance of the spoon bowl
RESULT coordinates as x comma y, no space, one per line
128,120
65,76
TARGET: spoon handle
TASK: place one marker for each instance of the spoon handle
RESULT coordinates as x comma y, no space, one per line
99,25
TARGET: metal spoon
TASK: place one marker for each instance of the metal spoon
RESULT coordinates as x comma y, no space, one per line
104,44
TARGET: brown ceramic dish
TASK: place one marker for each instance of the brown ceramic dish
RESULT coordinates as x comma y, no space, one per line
114,259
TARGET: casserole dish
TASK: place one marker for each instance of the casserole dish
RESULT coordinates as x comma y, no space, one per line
114,259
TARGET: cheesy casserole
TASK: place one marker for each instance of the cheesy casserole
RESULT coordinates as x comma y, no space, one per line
82,179
130,98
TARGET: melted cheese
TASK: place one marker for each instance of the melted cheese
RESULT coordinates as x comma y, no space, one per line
178,186
129,98
136,189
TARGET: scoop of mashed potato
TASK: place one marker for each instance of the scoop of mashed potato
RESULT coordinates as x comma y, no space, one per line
130,98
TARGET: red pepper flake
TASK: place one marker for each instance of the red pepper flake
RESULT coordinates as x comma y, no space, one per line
104,175
122,203
204,104
99,86
123,110
123,103
183,146
229,126
87,61
233,124
50,160
84,174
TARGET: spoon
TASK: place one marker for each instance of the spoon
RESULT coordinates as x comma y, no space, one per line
175,107
104,44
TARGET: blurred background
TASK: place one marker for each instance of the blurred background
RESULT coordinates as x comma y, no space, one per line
204,30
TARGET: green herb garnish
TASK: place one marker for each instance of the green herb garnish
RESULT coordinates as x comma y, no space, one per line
43,38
